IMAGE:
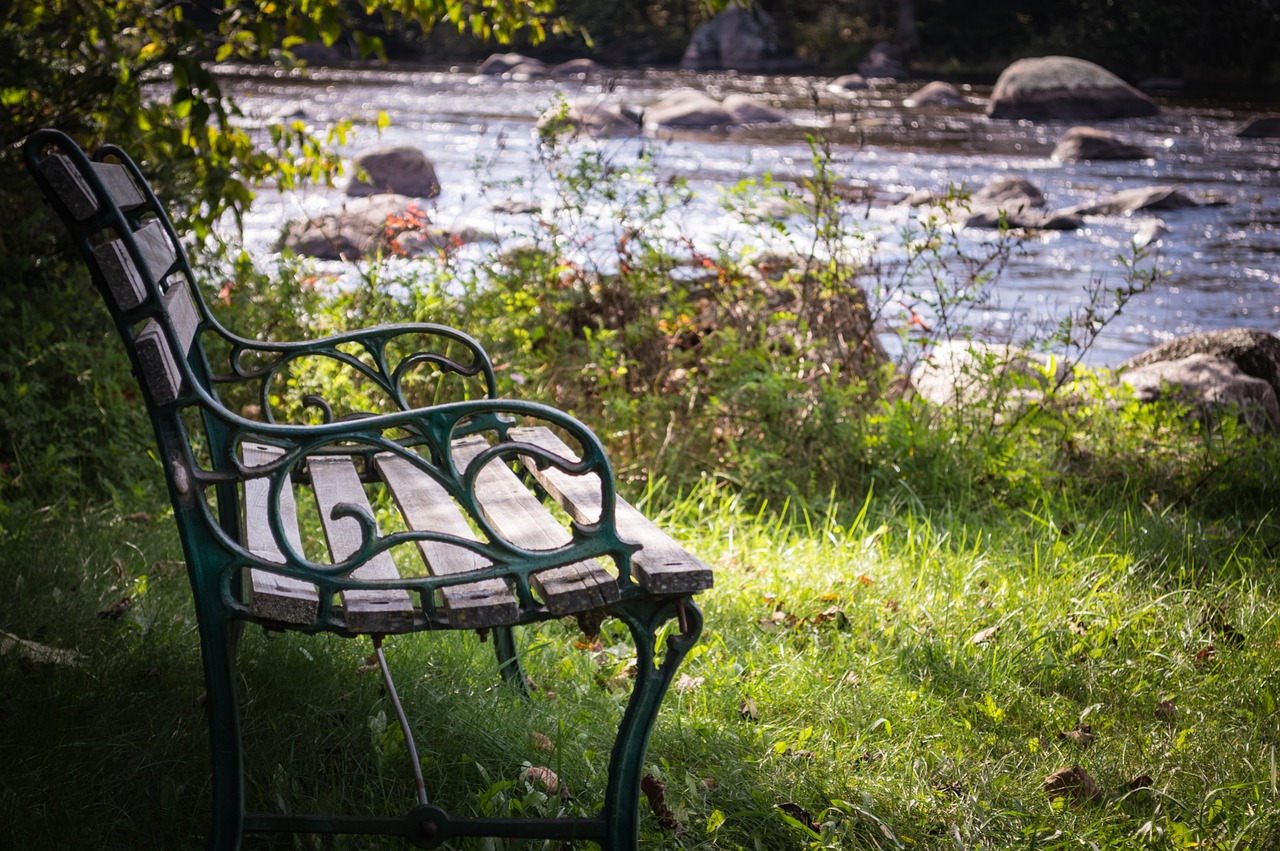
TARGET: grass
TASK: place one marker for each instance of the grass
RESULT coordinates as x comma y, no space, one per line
879,676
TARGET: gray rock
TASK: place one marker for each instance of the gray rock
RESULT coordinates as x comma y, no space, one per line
500,63
1063,87
1009,193
1133,200
689,109
735,40
526,71
1028,219
1260,127
1256,353
394,169
964,373
848,84
575,69
347,232
595,118
1151,231
1090,143
745,109
1209,383
936,93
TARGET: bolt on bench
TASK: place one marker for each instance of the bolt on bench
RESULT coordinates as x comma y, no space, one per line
476,481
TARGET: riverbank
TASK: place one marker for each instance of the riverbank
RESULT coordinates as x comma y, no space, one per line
479,132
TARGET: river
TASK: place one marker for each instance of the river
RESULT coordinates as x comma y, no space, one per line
1220,265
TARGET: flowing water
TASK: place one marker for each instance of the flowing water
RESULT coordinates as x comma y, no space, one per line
1220,264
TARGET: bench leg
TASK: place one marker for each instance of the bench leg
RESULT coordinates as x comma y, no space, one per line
504,643
218,638
626,765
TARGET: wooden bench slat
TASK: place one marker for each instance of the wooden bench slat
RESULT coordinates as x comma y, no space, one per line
518,515
70,185
119,184
661,566
427,507
278,598
123,277
336,481
159,370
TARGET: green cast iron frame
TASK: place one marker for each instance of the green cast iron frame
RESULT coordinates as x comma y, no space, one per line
212,536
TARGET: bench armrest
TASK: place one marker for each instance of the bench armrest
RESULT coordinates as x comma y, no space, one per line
380,358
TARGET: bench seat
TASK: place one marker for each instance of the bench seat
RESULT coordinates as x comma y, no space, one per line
660,566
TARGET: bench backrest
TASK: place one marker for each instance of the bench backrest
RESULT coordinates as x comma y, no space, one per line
125,237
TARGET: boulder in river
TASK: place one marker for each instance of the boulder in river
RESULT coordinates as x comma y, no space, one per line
1090,143
937,93
1140,198
1009,193
687,109
746,109
1047,88
1017,203
1209,383
847,84
961,372
394,169
499,64
575,69
358,228
1260,127
1005,201
737,39
347,232
1255,353
594,117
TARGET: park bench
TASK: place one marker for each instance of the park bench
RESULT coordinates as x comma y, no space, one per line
491,513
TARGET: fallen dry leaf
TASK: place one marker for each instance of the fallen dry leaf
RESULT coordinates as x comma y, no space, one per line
1205,656
655,791
982,636
137,517
1142,781
1076,628
1073,783
687,683
1082,735
546,778
748,710
800,814
116,610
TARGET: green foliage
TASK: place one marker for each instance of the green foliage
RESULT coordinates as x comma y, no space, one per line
140,75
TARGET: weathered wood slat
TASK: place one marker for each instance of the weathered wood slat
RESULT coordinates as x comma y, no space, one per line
159,369
70,185
517,514
270,595
427,507
661,566
124,279
74,190
119,184
364,610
